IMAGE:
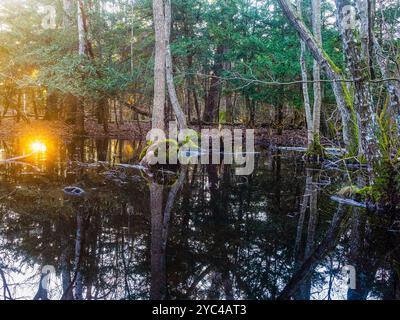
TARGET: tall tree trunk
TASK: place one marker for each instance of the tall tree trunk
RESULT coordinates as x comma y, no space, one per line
18,106
343,99
103,111
68,8
316,24
52,101
189,86
80,114
180,115
304,77
227,65
70,102
392,87
159,65
212,100
197,107
358,65
34,104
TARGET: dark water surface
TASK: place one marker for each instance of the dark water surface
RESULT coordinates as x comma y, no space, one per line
199,233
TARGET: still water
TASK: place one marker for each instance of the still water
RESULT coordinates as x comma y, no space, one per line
197,232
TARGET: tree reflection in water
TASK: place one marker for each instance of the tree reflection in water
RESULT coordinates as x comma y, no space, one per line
198,233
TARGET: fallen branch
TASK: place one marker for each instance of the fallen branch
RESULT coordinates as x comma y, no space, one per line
137,110
332,151
17,158
349,202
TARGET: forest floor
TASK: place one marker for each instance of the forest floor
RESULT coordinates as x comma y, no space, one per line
265,137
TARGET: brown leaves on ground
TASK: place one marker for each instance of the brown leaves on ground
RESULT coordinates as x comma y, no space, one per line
136,130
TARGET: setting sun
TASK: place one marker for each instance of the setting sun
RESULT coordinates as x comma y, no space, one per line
38,147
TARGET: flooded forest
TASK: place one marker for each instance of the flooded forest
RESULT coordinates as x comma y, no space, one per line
199,150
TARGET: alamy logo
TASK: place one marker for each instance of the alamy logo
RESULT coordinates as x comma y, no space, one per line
47,271
349,21
212,146
350,272
49,19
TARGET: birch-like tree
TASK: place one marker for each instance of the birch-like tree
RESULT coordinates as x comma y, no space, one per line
159,65
163,68
316,25
334,74
304,78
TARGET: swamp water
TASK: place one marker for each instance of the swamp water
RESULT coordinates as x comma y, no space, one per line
199,233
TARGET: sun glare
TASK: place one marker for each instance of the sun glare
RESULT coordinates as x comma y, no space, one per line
38,147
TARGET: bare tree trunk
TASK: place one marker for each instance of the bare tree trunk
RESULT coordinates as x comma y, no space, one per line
212,100
67,14
316,24
103,113
197,107
349,117
304,77
159,65
51,106
376,53
364,11
392,87
34,104
80,111
358,64
70,102
81,29
227,65
180,115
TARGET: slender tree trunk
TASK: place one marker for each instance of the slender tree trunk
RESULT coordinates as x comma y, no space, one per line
392,87
70,102
18,106
197,107
68,8
316,24
227,65
304,77
34,104
212,100
80,114
103,113
343,100
159,65
180,115
51,106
